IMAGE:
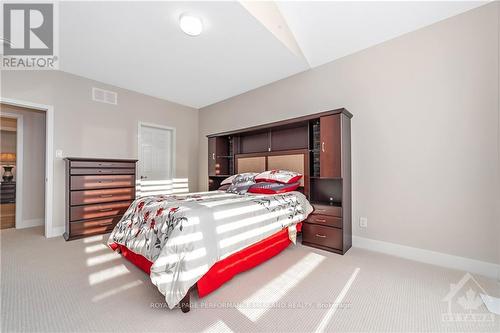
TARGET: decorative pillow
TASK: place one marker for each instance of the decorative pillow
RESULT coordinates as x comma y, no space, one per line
278,176
228,180
272,188
224,187
238,178
240,188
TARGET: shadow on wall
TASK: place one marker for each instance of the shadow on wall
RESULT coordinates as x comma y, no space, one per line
158,187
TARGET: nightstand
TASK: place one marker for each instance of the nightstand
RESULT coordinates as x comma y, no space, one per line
324,229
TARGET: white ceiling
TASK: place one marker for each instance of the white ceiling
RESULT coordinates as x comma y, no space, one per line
139,45
330,30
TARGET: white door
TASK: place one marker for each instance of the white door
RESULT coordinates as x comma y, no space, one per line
156,153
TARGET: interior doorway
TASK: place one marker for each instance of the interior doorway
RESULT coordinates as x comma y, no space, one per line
8,153
156,166
23,167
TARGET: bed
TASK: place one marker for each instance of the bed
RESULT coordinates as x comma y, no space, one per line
201,240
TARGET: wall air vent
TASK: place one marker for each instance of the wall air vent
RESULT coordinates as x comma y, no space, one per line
104,96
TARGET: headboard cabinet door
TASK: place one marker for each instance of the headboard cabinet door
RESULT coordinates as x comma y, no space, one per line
218,159
330,149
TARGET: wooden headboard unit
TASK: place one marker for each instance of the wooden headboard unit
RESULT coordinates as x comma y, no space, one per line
316,145
292,160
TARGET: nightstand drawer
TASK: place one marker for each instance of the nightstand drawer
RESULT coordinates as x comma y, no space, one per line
327,210
331,221
322,236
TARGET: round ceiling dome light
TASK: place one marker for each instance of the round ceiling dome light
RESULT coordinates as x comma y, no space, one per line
191,25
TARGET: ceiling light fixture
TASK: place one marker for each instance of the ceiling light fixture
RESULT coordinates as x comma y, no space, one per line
191,25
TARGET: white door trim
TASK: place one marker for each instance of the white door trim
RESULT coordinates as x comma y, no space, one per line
50,231
19,163
139,153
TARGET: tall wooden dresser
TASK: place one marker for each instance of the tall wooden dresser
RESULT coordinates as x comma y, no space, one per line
98,192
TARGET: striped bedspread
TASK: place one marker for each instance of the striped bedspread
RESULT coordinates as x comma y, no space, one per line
184,235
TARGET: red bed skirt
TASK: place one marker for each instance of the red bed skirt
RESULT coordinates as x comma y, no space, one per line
224,270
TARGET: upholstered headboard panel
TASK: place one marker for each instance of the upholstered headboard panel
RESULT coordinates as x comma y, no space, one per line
295,162
251,164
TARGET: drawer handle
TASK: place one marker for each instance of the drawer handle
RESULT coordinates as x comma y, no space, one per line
104,224
320,236
105,181
321,220
105,164
106,195
320,210
106,209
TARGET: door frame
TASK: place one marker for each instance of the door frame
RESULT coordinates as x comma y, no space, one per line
139,153
19,162
50,231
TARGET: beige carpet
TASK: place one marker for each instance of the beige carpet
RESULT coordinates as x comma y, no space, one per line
50,285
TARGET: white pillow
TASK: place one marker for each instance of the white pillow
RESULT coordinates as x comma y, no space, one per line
239,178
228,180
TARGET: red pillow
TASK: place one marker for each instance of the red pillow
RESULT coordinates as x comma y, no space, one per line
278,176
272,188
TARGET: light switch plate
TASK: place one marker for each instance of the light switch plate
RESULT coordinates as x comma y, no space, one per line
363,222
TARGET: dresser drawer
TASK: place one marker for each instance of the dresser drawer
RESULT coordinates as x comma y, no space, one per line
99,210
103,171
102,164
8,192
8,186
92,227
98,196
97,181
322,235
331,221
327,210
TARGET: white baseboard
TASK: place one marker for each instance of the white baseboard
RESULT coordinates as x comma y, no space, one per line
31,223
430,257
56,232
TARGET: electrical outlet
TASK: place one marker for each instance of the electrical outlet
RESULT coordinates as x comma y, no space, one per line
59,153
363,222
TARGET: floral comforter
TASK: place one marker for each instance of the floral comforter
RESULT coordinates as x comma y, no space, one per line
184,235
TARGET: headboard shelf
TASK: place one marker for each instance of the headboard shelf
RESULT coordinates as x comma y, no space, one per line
327,203
326,178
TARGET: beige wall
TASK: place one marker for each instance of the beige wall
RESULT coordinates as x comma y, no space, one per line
8,141
33,193
89,129
424,133
8,133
